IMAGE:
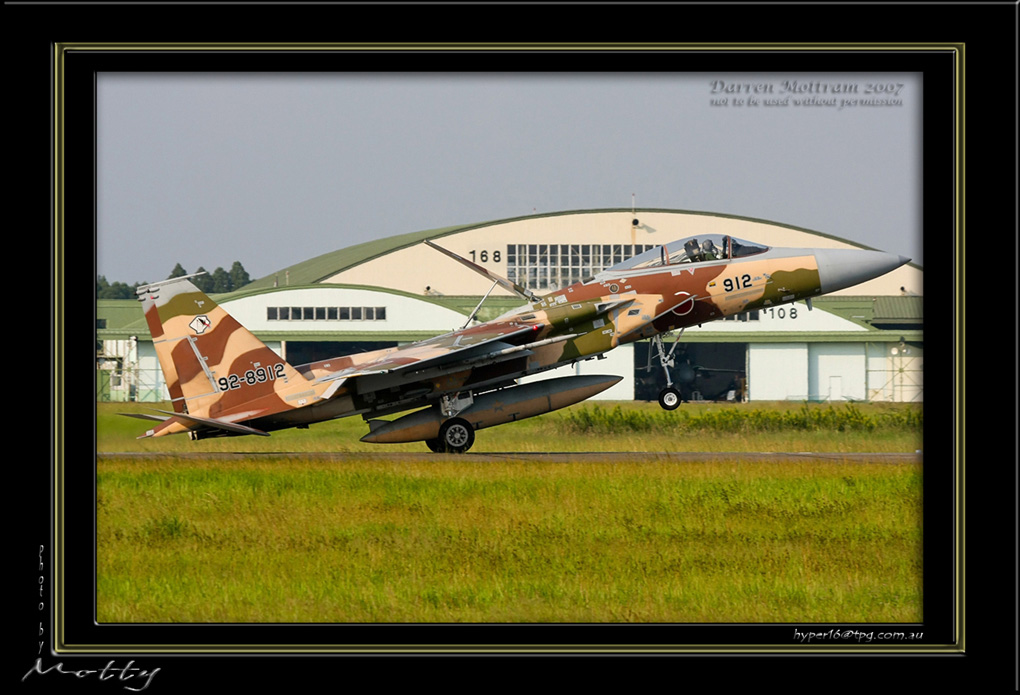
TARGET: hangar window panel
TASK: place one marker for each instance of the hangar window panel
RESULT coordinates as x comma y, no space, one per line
308,313
554,266
355,313
320,313
345,313
369,313
380,313
332,313
272,313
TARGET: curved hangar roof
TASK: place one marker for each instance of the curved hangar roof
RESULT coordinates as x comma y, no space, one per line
545,252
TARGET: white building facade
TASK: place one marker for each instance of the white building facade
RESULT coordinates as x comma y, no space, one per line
398,290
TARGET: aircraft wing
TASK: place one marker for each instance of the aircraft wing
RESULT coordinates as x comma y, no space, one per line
465,347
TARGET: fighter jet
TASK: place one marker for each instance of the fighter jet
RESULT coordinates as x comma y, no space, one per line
223,381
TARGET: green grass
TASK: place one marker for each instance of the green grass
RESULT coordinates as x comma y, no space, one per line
430,538
278,540
724,420
624,426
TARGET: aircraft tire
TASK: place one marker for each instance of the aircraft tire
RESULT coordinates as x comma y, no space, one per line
669,398
434,445
456,435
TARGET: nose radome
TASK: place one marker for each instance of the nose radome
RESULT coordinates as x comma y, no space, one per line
841,268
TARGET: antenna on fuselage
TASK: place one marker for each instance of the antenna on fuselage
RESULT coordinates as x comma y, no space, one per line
472,316
520,291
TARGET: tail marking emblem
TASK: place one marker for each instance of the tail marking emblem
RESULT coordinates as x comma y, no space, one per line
199,324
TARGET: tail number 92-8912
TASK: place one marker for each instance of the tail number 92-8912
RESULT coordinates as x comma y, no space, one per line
259,375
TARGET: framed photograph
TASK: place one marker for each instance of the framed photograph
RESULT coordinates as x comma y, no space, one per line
274,153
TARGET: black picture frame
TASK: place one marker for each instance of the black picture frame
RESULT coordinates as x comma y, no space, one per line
57,543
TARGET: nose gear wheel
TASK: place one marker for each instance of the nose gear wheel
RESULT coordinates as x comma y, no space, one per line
669,398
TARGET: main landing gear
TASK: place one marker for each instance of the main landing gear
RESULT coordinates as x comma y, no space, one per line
669,397
456,436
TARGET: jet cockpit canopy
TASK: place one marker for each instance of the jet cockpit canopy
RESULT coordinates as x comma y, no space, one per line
696,249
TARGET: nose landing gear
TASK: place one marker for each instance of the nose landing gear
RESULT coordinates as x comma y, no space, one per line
669,397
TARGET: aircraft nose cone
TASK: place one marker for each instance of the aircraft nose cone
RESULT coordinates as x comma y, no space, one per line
840,268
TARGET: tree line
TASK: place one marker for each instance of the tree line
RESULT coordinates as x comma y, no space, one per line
216,282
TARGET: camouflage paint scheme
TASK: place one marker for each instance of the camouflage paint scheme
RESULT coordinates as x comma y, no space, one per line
224,381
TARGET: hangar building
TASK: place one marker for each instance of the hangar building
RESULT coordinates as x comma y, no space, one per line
863,343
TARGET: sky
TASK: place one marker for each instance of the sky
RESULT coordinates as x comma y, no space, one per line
273,169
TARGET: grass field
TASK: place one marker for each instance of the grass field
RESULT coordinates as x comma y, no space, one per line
628,426
442,539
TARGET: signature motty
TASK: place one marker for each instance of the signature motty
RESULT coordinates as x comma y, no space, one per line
127,676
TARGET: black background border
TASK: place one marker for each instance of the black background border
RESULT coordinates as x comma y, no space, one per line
991,196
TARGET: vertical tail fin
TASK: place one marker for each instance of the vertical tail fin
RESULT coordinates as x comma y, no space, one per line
205,354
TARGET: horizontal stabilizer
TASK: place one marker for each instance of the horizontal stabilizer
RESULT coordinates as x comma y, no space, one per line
218,424
146,416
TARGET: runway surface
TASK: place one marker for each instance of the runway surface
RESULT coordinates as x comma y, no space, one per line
552,457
